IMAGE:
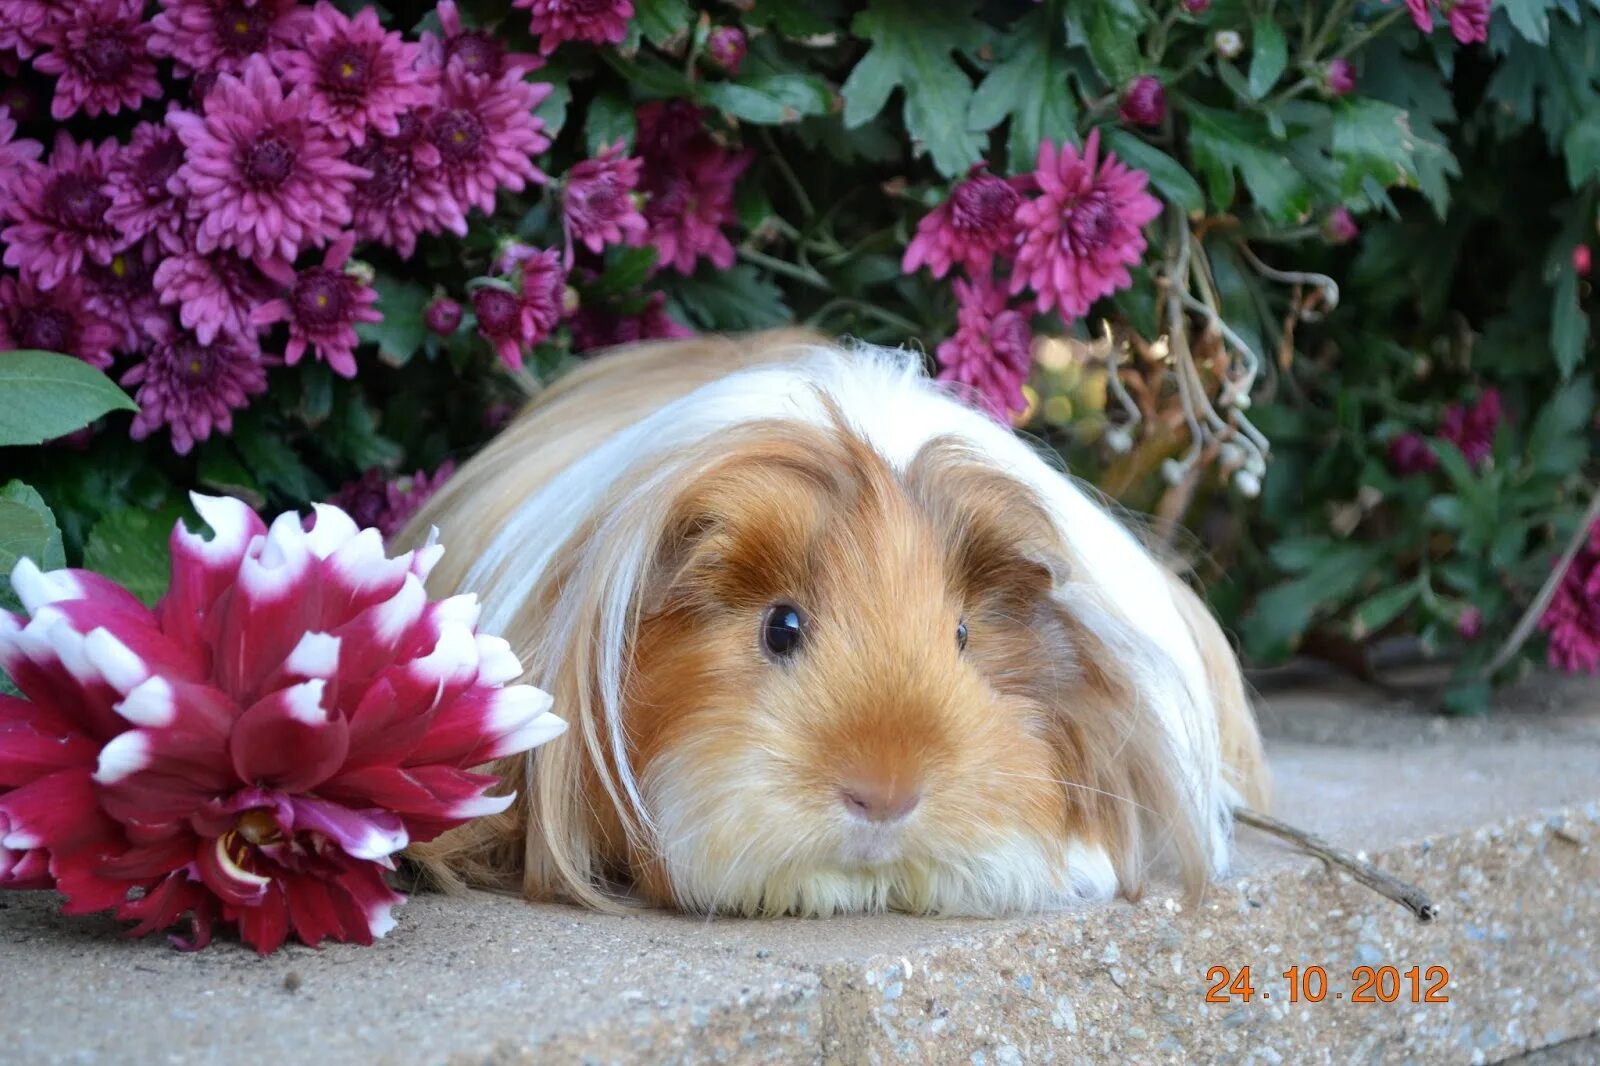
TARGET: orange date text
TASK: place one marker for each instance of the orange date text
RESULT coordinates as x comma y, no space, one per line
1310,984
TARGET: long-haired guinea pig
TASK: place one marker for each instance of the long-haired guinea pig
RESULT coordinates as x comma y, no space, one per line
829,640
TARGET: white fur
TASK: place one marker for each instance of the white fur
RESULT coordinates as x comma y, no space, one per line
1123,595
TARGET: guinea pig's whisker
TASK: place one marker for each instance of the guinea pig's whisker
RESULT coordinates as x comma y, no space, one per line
1074,784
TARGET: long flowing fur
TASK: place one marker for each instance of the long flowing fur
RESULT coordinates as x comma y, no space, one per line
558,527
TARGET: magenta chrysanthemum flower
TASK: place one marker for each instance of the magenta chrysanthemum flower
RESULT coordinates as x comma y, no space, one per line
598,201
146,198
690,180
1339,77
58,212
1409,454
991,352
256,749
406,195
101,60
322,309
727,46
1469,20
474,53
1084,230
54,320
443,316
1144,101
515,314
123,293
193,387
1421,14
214,294
261,176
976,223
26,26
487,135
387,504
595,328
556,22
360,76
1472,429
219,36
1573,618
15,156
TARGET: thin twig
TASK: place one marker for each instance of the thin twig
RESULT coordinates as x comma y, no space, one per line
1408,896
1530,617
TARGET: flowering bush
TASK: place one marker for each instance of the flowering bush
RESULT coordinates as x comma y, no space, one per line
1310,279
255,749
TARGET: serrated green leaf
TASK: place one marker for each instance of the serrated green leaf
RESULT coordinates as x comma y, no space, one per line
1569,326
769,99
221,471
404,306
811,19
47,395
1530,18
1111,29
661,20
1581,146
1372,139
1294,555
1381,609
131,548
1028,85
274,464
1284,612
1557,443
1166,173
1269,55
912,50
610,119
736,299
626,269
27,531
1223,143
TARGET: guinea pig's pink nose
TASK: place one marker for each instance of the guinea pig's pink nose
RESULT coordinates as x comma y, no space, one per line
878,800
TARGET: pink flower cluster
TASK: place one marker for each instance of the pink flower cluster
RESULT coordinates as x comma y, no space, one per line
1067,232
255,750
1469,19
1573,618
1470,427
219,237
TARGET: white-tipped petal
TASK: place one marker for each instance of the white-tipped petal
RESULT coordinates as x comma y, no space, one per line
463,608
400,611
455,654
330,531
479,806
149,704
122,669
317,655
497,663
36,587
304,702
521,720
425,558
229,520
127,754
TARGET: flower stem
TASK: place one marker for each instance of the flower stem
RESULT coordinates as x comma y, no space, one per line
784,268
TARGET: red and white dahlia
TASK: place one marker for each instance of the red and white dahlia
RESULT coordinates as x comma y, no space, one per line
256,749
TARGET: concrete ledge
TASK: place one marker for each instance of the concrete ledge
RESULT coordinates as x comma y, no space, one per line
1498,818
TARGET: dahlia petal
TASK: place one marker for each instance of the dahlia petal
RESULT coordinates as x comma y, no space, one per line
360,834
117,663
485,724
266,926
35,742
331,528
232,883
56,811
383,730
497,663
289,739
317,655
126,755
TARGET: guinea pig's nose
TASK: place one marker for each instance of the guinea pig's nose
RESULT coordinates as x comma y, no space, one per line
879,800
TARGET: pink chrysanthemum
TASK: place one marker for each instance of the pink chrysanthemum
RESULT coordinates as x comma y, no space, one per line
261,176
595,328
214,294
598,201
473,53
361,77
192,387
487,135
1472,428
15,156
1084,230
406,195
26,26
690,181
56,320
727,46
1469,20
220,36
977,222
1409,454
58,212
1573,618
991,352
322,309
101,60
256,749
1421,13
123,293
515,316
387,504
556,22
146,198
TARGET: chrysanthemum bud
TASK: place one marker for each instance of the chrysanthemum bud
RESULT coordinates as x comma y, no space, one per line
1582,261
1228,44
1339,77
1340,227
443,316
1144,102
726,48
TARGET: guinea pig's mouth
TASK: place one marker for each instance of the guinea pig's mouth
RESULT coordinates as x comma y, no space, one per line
865,843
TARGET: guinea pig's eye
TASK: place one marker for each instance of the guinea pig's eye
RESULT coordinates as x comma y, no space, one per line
782,630
961,635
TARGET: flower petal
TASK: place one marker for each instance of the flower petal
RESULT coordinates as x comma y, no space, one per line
369,834
231,882
290,740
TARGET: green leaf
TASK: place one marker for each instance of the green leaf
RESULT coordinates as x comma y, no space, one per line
1223,143
552,110
27,531
1284,612
1469,697
1372,139
1581,146
1166,173
1530,18
221,471
611,119
131,548
1112,31
626,269
1294,555
1382,609
1027,84
811,19
736,299
274,464
48,396
404,305
769,99
661,20
1269,55
1558,444
912,46
352,435
1569,326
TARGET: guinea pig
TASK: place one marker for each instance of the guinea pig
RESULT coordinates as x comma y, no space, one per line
829,640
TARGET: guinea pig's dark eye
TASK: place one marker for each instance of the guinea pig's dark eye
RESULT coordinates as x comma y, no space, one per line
961,635
782,630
